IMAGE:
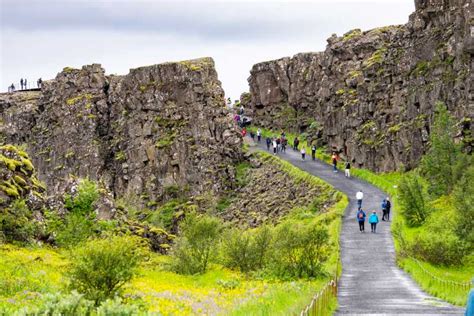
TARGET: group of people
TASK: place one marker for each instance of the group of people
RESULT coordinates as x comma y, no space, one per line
373,218
24,85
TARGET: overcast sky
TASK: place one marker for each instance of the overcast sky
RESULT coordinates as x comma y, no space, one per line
40,37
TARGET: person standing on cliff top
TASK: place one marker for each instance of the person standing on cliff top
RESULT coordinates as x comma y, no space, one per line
26,86
21,84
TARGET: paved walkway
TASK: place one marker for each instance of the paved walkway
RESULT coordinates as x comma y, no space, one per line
371,282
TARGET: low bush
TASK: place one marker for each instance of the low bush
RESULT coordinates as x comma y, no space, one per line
197,244
17,224
247,251
464,204
413,199
101,267
299,250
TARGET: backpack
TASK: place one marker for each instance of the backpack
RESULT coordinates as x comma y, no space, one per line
360,215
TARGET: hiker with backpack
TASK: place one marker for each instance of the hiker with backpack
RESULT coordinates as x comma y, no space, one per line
373,220
361,219
347,169
359,197
384,209
388,206
269,143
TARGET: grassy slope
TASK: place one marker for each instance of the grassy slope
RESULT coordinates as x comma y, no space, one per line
388,183
27,274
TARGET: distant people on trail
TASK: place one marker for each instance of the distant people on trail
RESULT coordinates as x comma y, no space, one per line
313,152
11,88
21,84
39,83
275,146
334,161
384,209
303,153
361,219
269,142
25,84
347,169
359,197
373,220
259,135
252,135
284,142
388,206
470,301
278,140
244,132
296,142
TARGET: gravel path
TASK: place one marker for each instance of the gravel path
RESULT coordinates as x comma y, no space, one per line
371,282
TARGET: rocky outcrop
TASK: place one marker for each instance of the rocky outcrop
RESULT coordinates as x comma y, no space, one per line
270,193
158,129
371,95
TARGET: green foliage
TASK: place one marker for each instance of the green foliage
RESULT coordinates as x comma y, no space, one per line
241,173
197,244
301,250
412,195
464,204
444,162
82,203
101,267
17,224
247,251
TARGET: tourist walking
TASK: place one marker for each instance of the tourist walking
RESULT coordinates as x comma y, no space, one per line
361,219
259,135
252,135
284,142
278,140
359,197
388,206
313,152
275,146
334,161
373,220
384,209
347,169
269,143
296,142
303,153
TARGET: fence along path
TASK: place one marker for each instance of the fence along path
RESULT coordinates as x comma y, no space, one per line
371,282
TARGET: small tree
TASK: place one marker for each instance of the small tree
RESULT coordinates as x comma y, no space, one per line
197,244
464,205
413,200
444,162
101,267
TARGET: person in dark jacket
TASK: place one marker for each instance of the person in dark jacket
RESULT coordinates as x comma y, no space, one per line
313,152
388,206
361,219
269,143
384,209
296,142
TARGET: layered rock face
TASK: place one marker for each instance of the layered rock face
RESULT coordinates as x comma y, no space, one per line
159,129
371,95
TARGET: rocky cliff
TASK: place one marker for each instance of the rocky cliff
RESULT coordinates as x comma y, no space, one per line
371,95
153,132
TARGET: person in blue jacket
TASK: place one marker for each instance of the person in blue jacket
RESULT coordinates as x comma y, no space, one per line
373,220
361,219
470,302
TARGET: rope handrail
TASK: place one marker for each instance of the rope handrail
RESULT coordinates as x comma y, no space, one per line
465,285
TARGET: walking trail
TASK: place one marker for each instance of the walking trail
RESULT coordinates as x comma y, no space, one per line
371,282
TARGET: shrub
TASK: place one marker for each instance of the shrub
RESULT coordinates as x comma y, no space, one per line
300,250
101,267
412,197
464,204
444,162
82,202
17,224
197,244
247,251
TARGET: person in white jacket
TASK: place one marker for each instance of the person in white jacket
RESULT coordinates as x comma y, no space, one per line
359,197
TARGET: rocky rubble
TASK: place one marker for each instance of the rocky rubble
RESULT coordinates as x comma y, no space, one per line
371,95
160,128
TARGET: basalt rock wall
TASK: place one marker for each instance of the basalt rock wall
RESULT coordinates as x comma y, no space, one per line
371,95
159,131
